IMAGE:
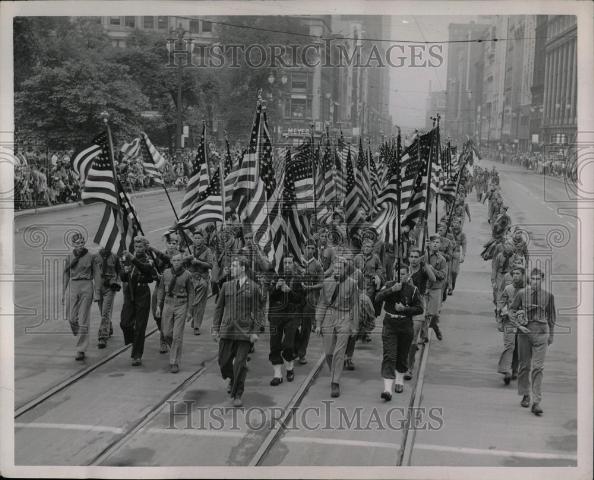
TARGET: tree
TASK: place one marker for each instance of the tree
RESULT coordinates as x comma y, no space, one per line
63,104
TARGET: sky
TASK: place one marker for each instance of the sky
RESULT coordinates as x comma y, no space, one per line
410,86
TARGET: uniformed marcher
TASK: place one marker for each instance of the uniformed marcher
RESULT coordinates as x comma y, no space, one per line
78,292
176,294
402,302
508,361
138,272
236,323
199,263
419,274
371,267
533,308
458,253
287,299
107,283
313,282
434,289
337,318
446,248
163,262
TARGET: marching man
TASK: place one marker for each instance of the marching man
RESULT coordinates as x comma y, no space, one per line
78,275
107,283
337,318
176,294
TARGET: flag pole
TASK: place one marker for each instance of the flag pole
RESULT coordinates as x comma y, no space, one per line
398,199
313,178
119,187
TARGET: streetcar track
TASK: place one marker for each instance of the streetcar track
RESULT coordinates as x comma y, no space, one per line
72,379
119,442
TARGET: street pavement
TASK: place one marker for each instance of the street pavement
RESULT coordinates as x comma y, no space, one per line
483,422
476,420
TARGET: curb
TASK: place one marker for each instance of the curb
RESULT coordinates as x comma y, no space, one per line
66,206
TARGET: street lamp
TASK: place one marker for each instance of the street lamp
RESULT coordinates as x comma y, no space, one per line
171,48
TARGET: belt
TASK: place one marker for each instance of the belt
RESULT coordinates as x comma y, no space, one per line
395,317
79,279
177,296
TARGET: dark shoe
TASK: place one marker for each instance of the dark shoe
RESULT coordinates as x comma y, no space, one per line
450,291
335,390
102,343
387,396
366,338
398,388
536,410
80,356
514,375
507,378
74,327
408,375
302,361
196,331
525,401
276,381
348,365
237,402
163,348
136,362
174,368
290,375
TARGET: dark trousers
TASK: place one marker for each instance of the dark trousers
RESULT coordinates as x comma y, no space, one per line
350,348
283,331
397,335
302,337
135,313
233,363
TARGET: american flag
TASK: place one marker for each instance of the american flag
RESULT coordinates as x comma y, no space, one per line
82,160
302,172
328,167
364,184
117,234
262,213
387,220
339,177
131,150
297,226
199,179
100,185
416,198
352,204
209,209
376,187
229,179
152,160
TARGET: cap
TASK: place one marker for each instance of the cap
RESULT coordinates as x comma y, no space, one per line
141,239
434,237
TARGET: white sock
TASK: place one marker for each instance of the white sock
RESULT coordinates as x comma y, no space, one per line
399,378
277,371
289,365
388,384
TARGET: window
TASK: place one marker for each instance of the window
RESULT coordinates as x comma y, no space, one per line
162,23
130,22
299,81
194,26
298,107
114,20
148,22
206,26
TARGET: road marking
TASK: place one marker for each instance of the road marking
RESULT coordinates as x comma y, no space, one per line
196,432
496,453
337,442
159,229
422,446
69,426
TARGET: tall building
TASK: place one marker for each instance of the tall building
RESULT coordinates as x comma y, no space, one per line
560,89
119,28
464,56
538,82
